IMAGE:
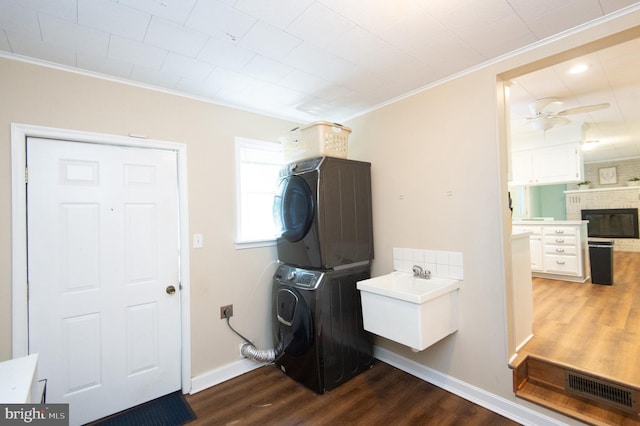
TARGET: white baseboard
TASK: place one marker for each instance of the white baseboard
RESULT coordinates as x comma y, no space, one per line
222,374
495,403
524,342
520,346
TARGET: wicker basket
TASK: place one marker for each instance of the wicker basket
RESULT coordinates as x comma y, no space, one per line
320,138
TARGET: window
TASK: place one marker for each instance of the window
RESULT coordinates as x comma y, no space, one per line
257,167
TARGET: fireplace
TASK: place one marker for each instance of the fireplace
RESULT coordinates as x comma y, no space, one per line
612,223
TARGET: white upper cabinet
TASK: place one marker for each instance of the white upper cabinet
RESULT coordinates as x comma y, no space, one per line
558,164
542,162
521,167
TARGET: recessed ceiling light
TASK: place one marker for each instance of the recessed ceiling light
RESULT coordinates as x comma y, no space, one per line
578,68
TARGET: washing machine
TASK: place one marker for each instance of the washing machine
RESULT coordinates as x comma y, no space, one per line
317,324
323,209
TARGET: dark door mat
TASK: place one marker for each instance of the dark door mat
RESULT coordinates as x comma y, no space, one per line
168,410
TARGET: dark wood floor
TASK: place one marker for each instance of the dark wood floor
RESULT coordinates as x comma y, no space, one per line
382,395
592,327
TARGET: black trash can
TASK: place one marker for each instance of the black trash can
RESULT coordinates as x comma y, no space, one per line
601,258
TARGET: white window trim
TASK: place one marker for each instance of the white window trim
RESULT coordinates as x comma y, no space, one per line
240,143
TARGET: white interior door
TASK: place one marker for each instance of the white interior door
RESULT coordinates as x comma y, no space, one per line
103,249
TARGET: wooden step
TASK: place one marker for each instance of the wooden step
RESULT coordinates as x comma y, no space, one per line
587,397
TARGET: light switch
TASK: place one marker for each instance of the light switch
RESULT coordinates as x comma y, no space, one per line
198,241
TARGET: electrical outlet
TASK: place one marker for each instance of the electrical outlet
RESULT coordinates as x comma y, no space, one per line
223,309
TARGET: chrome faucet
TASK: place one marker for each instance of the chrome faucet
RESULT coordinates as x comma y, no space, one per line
418,272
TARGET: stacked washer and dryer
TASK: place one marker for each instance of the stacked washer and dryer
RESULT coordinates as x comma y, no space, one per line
324,208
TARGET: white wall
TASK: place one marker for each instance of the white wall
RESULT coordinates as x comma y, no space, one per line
626,169
436,185
220,274
439,182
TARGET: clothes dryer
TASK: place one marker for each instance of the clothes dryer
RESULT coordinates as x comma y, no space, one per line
323,207
317,325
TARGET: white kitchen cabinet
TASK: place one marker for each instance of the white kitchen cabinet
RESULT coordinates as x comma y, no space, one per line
535,244
562,250
558,249
547,165
560,163
522,167
521,292
537,259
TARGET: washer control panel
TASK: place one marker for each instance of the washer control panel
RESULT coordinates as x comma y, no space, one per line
301,278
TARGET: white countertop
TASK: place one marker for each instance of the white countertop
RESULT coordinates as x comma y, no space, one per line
518,235
549,222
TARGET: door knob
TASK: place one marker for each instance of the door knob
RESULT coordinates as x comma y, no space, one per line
170,289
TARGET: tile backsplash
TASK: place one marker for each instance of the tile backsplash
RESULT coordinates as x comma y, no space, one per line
442,264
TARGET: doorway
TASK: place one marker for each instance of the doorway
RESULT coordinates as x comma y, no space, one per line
595,47
79,154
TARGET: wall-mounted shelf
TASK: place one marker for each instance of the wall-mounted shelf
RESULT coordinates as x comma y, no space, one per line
617,188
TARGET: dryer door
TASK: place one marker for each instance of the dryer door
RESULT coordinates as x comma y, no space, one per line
294,208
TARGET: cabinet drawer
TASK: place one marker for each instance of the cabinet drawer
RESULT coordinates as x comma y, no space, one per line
560,249
561,264
559,230
560,240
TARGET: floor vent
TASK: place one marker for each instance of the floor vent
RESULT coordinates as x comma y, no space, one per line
600,390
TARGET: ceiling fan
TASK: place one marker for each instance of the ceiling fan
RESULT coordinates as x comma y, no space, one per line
546,115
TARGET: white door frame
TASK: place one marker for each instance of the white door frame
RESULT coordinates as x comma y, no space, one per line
20,316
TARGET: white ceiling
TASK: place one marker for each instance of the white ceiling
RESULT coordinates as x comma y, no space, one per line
612,76
303,60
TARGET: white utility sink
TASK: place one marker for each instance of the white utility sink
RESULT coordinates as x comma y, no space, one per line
416,312
404,286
